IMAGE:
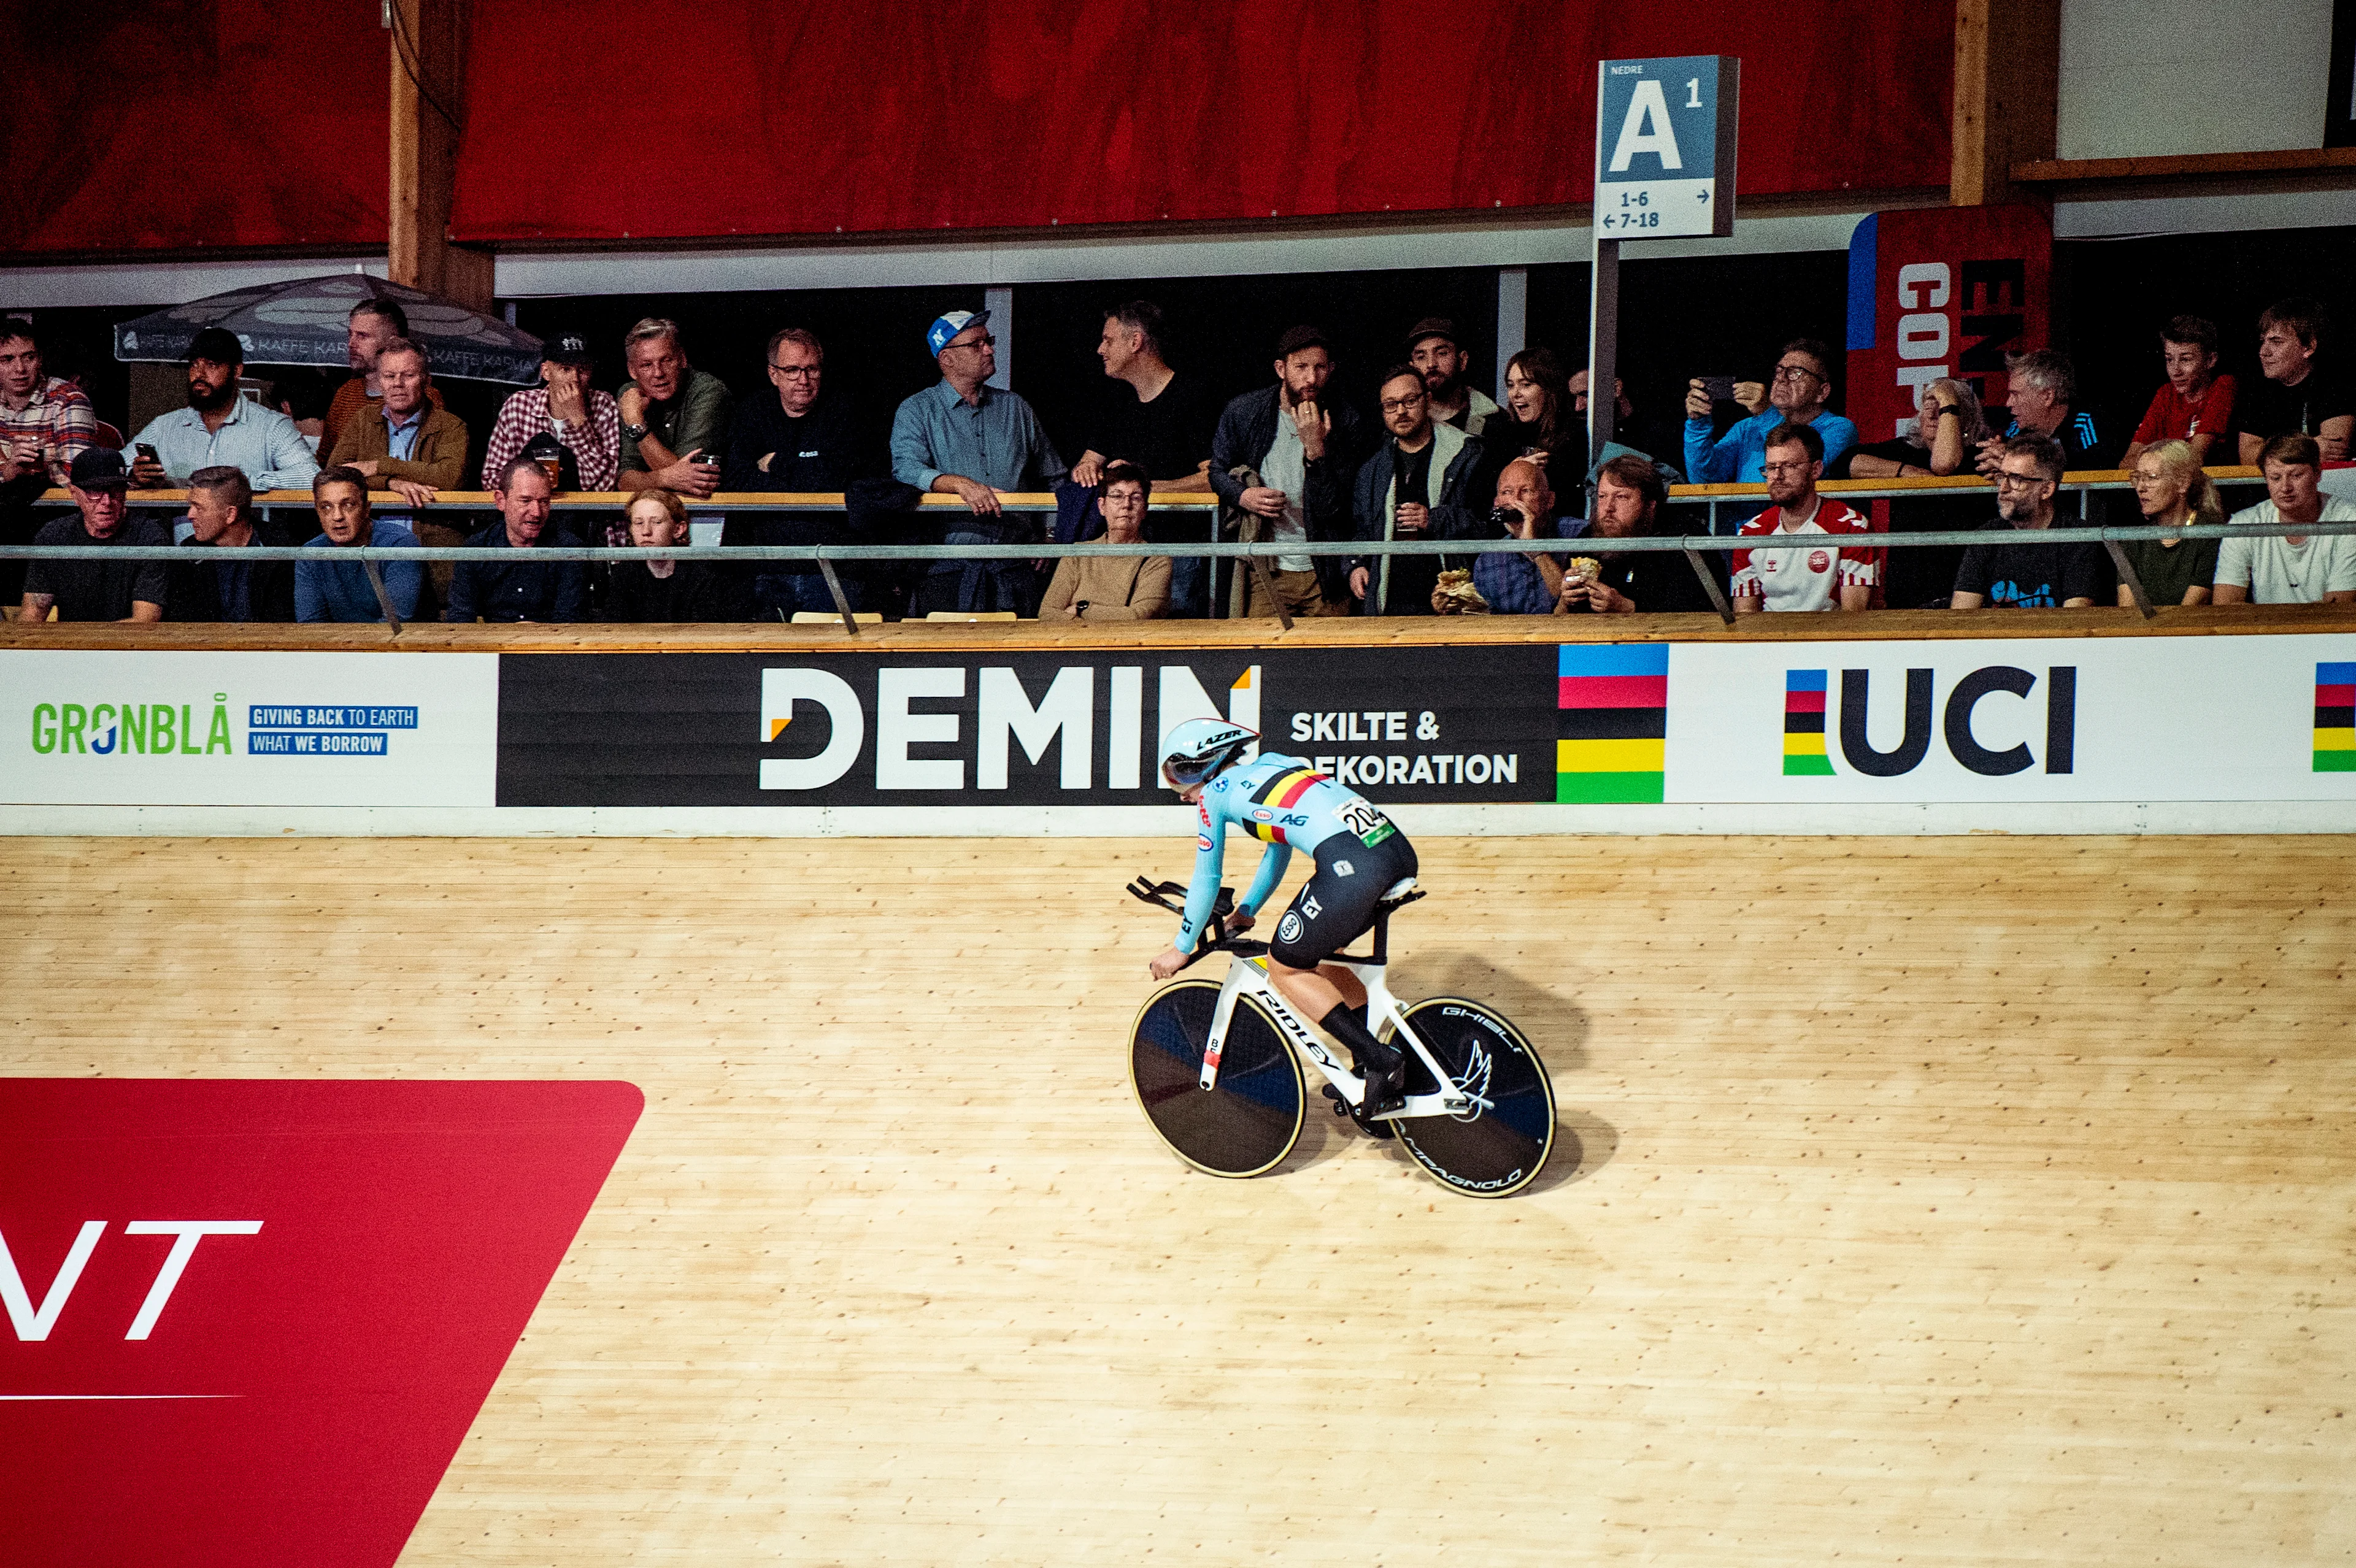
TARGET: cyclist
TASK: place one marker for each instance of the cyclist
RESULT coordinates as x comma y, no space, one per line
1360,855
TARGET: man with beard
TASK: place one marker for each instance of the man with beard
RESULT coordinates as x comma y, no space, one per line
1630,491
1836,575
221,429
2030,576
1414,487
372,323
1301,448
1433,349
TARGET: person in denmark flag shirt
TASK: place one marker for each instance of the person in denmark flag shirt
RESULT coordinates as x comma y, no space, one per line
1833,576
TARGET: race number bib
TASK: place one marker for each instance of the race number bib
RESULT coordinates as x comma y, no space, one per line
1369,825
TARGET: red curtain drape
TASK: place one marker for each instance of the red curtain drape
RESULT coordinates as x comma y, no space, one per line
262,122
199,123
717,117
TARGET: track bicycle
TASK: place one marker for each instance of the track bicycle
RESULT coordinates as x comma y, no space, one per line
1216,1066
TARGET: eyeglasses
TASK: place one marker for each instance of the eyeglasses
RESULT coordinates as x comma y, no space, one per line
796,372
2020,481
1401,405
1796,373
984,341
1772,469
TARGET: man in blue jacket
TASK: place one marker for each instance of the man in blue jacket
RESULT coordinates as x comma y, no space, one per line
1801,386
1302,446
1414,487
528,590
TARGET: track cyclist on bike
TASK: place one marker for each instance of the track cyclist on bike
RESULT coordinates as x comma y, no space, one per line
1360,855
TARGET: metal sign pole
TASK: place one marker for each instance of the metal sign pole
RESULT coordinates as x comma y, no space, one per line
1664,146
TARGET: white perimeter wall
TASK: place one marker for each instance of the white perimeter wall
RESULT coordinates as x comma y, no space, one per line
2149,78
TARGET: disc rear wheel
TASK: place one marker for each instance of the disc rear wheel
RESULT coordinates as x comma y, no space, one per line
1249,1120
1498,1145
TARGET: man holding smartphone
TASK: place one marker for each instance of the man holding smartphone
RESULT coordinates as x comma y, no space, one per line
1797,394
218,428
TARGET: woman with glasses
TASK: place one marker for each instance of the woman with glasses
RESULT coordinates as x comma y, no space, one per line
1113,587
2173,492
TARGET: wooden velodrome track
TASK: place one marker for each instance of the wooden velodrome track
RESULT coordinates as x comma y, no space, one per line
1951,1201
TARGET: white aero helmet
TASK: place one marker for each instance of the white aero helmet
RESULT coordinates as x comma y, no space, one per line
1195,750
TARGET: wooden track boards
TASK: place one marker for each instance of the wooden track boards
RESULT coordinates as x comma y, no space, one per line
1942,1201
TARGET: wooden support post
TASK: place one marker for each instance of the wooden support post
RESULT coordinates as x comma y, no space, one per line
427,40
2007,80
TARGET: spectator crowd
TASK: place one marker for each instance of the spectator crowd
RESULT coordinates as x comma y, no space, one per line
1289,462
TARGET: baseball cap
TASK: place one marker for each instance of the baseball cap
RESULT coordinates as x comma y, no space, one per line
96,467
949,324
571,348
217,344
1300,337
1433,326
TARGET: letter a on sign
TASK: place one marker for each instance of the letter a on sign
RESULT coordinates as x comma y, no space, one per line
1646,129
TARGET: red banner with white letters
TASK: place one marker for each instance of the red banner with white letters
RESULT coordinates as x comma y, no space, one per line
1943,292
250,1321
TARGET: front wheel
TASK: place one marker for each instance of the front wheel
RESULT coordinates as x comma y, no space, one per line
1498,1146
1249,1120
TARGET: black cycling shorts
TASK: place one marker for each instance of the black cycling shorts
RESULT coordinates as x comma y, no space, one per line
1338,903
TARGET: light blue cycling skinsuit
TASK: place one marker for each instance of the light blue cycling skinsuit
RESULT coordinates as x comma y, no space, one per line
1283,800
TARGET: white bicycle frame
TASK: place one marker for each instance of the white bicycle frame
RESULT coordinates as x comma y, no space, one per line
1250,977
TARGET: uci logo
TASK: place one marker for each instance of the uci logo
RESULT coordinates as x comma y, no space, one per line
1956,718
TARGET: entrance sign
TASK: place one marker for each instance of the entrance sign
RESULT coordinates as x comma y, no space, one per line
1664,146
1664,134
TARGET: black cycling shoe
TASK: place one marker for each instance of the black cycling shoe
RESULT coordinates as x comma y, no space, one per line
1385,1070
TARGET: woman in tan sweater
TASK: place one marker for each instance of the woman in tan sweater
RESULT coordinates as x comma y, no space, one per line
1113,587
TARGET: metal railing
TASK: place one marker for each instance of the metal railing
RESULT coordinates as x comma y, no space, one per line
1259,554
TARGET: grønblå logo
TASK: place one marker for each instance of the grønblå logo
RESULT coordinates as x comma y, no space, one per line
132,728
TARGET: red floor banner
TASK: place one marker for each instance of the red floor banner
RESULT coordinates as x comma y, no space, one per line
252,1320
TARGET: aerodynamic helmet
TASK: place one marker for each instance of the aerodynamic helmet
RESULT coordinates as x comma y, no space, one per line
1197,750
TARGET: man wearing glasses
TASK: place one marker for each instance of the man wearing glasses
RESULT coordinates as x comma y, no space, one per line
965,437
1833,575
801,442
1801,387
2030,576
1413,487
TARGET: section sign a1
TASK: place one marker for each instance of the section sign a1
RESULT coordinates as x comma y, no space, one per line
1664,146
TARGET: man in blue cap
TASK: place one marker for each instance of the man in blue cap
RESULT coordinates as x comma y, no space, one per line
964,437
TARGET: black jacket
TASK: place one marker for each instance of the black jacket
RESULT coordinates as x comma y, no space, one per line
696,590
530,590
197,590
1247,429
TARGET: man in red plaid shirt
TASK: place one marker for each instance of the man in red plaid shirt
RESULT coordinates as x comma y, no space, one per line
585,422
44,419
